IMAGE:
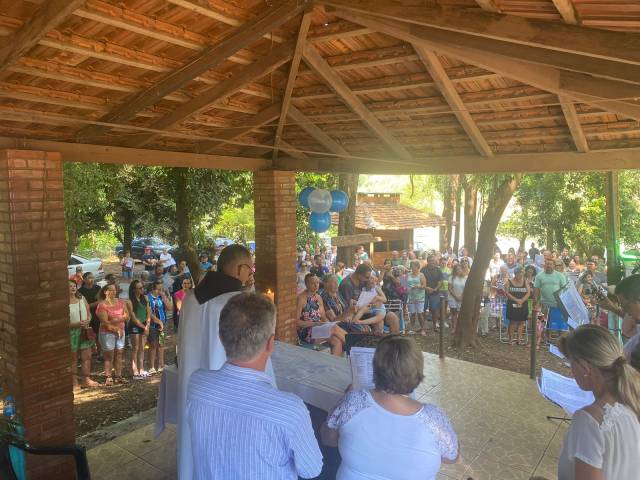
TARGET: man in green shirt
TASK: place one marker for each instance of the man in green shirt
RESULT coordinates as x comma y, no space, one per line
547,283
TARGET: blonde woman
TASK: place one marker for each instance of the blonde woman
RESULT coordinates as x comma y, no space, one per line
603,442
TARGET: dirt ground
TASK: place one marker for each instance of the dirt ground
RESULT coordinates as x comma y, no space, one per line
101,407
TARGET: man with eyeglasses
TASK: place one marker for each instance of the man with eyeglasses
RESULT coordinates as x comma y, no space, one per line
199,344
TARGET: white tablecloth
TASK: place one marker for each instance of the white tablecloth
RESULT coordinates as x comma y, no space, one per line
318,378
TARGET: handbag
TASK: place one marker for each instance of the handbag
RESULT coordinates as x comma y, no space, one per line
87,334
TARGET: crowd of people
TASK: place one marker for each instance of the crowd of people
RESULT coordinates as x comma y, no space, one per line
519,290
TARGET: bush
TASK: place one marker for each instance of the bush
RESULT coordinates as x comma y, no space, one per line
97,244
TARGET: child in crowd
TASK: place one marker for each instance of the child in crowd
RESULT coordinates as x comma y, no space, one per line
127,266
376,308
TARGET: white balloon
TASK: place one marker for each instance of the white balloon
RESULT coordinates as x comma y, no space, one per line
320,200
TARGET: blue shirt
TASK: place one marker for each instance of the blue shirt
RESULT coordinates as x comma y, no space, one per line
242,427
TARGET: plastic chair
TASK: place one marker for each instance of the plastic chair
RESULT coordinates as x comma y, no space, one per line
555,324
78,453
396,307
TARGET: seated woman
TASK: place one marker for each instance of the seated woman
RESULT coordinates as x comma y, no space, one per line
363,422
310,313
603,441
336,309
374,313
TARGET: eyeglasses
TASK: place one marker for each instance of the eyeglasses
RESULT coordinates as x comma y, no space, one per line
250,267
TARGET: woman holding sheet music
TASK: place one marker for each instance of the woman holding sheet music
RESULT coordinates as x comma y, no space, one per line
384,433
310,313
603,442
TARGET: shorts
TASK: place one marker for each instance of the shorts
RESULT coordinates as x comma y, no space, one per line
110,341
378,311
76,340
432,302
156,336
127,273
453,303
134,329
415,307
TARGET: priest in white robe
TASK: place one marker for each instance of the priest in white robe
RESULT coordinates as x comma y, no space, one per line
199,343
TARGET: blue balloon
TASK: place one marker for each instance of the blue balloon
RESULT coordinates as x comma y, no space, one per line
320,222
340,201
303,198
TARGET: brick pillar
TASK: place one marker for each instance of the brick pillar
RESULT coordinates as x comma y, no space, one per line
34,313
274,195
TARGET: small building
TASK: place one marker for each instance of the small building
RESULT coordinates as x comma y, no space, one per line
383,216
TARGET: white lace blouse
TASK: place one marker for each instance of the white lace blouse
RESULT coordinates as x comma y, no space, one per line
613,445
377,444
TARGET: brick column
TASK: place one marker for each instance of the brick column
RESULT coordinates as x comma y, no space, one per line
274,195
34,313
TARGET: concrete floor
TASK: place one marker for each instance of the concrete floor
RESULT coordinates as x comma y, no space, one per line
499,416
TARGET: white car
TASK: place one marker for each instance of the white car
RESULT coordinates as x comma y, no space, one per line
93,265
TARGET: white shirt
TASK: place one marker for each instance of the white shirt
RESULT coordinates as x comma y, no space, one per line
494,267
613,446
167,260
377,444
242,427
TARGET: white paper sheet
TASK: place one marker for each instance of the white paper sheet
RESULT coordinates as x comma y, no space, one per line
365,298
563,391
322,331
574,306
362,367
555,351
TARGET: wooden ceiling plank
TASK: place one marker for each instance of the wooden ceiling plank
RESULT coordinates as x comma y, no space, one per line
246,35
267,115
567,11
573,122
322,68
489,5
600,92
605,44
49,16
279,56
305,23
316,132
450,94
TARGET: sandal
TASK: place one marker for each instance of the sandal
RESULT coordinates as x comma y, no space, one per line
90,384
122,380
108,382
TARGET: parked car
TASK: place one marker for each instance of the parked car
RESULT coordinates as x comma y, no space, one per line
223,241
93,265
139,244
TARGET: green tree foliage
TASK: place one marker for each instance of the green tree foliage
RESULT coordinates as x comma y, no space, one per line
568,209
237,223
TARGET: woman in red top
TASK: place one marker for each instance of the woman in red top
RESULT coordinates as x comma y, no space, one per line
113,316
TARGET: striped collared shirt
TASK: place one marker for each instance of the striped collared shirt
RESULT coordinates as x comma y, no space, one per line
243,428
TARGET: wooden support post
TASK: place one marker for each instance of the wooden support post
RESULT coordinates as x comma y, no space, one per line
614,269
443,313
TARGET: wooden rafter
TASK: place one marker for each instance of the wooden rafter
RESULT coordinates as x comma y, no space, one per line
450,94
316,132
573,122
616,46
267,115
567,11
49,16
600,92
489,5
246,35
291,79
322,68
279,56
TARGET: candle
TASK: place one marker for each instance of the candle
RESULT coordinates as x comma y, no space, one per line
270,294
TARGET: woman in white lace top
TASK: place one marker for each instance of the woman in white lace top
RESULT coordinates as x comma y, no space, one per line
603,442
384,433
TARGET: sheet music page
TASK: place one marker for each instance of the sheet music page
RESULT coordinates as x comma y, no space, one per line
555,351
361,359
564,391
574,305
322,331
365,298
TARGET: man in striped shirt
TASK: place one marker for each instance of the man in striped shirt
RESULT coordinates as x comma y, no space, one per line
242,427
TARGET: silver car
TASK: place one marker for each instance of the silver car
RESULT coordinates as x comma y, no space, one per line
93,265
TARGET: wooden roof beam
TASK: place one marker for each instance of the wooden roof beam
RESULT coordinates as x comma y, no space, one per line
595,160
621,47
291,79
573,122
246,35
207,99
316,132
49,16
322,68
567,11
603,93
489,5
450,94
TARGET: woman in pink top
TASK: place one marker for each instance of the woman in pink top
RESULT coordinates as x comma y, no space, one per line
113,316
179,298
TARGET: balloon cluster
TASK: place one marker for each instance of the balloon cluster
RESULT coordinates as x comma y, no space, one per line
321,202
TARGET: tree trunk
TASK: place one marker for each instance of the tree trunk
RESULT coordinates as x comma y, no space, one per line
184,221
468,318
448,209
559,238
127,231
348,183
470,212
456,237
522,244
72,239
549,245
